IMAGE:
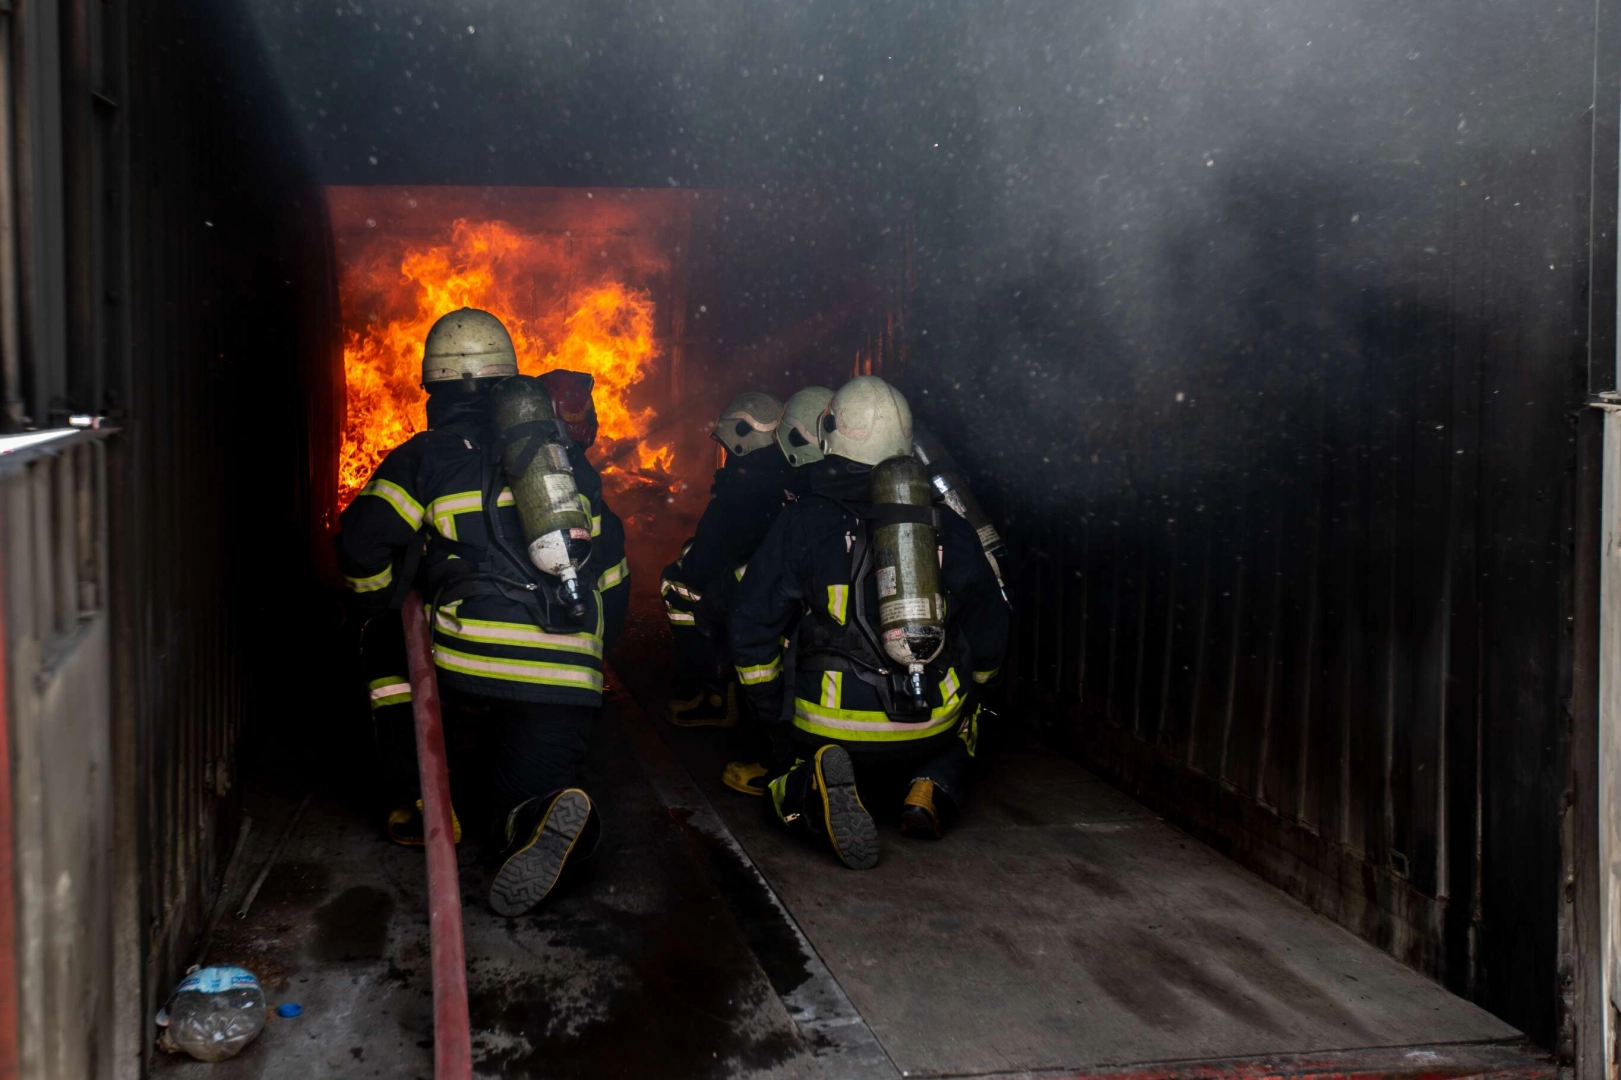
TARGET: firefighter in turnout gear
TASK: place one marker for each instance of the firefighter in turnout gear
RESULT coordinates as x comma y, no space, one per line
518,640
748,492
899,620
799,437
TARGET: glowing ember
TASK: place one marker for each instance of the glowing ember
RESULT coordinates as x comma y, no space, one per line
395,294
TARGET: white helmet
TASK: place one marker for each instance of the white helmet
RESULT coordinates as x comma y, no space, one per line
748,422
467,344
867,421
799,434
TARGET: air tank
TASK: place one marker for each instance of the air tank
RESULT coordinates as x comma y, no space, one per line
911,611
556,527
953,490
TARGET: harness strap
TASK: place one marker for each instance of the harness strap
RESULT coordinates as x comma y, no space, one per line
538,432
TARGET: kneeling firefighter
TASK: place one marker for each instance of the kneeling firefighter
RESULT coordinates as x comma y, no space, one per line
901,621
496,515
800,439
748,491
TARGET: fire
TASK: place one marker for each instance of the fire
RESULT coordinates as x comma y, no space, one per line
395,294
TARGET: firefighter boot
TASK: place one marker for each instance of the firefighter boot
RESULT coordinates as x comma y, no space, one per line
715,707
920,817
405,825
541,834
849,826
746,777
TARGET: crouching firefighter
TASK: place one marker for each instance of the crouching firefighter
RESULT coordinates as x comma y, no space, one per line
697,588
496,514
899,618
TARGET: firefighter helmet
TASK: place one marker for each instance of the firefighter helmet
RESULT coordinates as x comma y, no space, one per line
801,421
748,422
465,345
867,421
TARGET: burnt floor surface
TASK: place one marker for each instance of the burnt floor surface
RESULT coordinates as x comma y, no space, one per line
1059,925
637,967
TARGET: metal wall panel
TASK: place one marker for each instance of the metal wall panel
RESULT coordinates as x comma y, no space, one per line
170,272
1325,622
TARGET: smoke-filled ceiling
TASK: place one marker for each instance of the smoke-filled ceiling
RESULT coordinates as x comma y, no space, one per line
1098,189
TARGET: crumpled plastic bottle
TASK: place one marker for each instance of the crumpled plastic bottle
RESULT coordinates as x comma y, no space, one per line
214,1013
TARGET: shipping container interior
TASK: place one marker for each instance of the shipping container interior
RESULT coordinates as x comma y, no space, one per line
1270,336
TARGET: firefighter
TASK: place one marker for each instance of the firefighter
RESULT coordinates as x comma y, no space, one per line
747,493
517,651
902,620
799,438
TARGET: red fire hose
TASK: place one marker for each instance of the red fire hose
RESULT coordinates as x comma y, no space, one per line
452,1037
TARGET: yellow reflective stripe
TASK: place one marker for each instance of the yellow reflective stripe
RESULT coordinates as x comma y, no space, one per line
397,497
740,571
832,688
983,677
667,586
683,618
838,602
614,575
863,725
524,671
949,685
392,690
373,583
969,733
443,510
760,673
506,498
489,632
596,520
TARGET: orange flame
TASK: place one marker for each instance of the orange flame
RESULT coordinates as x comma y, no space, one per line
392,297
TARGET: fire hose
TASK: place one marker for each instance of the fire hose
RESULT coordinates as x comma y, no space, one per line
452,1036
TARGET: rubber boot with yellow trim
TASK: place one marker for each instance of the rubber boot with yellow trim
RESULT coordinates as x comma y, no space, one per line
405,826
715,707
541,834
746,777
919,815
817,800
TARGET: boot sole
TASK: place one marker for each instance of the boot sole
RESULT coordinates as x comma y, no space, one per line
528,876
849,826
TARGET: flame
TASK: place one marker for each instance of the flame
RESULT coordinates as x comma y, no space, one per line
391,297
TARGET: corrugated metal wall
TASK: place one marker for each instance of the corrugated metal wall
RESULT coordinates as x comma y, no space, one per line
228,409
172,272
1317,608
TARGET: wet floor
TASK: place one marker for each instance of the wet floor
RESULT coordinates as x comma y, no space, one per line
1059,926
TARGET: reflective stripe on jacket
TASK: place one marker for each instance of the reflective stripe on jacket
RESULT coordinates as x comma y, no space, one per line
484,645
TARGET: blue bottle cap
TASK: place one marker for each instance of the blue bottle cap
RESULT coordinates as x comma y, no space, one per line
289,1010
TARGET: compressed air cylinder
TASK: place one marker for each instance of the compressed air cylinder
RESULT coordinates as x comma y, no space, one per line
556,526
911,611
953,490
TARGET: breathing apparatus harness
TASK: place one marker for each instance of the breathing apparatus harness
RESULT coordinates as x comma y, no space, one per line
854,648
498,568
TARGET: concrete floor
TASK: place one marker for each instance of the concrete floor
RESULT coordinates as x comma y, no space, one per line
1059,926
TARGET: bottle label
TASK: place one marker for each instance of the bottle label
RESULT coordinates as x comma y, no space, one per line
560,488
886,581
989,537
217,980
905,609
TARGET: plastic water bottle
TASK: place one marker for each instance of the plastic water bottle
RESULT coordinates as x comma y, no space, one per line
214,1013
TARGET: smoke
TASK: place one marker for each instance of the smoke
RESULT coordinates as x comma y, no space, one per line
1155,239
